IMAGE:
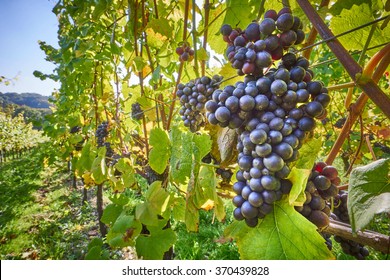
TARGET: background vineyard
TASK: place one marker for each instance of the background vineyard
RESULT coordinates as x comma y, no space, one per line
151,189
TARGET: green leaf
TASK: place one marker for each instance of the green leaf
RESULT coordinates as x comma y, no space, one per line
124,165
284,234
124,231
241,12
86,159
181,155
202,146
160,153
111,213
95,242
99,169
76,138
157,197
120,199
178,208
161,25
145,214
368,192
192,214
308,154
355,16
298,178
154,246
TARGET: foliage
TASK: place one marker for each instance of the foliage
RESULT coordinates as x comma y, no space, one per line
113,54
16,135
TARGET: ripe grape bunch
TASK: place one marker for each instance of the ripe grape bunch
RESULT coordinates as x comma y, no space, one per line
320,188
185,52
101,133
136,111
193,96
340,213
273,115
253,49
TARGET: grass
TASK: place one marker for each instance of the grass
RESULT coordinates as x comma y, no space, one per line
40,217
207,244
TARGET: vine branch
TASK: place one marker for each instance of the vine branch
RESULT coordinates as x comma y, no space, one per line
351,66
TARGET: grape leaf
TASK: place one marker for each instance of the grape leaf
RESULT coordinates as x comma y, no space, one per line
86,159
284,234
355,16
161,151
299,178
154,246
98,168
124,231
241,12
157,197
124,166
111,213
181,155
202,146
339,6
156,203
368,192
308,154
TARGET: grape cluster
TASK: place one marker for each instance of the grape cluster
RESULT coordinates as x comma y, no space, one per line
75,129
320,188
136,111
193,96
254,48
226,174
101,133
340,213
185,52
273,115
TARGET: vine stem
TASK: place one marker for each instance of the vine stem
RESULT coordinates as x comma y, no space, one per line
206,31
351,66
341,86
357,107
367,138
312,35
172,108
193,31
379,242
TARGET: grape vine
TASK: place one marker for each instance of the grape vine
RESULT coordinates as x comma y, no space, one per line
122,67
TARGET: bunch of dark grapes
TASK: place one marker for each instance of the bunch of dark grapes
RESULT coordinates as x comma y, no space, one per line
193,96
101,133
340,213
185,52
320,188
136,111
253,49
75,129
273,116
226,174
340,122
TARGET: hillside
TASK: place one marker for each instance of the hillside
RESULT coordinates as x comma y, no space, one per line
33,106
32,100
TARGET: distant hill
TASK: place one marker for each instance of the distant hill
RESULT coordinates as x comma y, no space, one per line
32,100
33,106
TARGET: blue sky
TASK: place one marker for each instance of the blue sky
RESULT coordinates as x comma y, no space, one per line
22,24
